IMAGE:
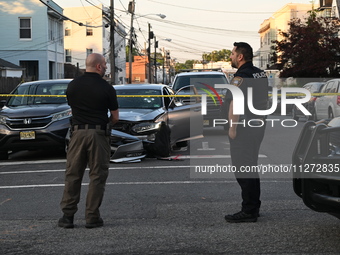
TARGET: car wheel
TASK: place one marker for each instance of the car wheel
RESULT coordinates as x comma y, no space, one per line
162,146
294,116
330,114
3,155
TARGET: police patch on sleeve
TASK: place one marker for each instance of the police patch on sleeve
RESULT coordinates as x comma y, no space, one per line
237,81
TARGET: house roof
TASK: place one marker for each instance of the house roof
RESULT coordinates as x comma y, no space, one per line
8,65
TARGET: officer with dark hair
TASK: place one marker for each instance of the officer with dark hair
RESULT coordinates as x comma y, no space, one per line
246,131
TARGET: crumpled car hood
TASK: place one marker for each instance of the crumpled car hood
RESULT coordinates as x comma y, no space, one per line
135,115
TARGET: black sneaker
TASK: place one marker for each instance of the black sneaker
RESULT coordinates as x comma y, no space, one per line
66,222
241,217
95,224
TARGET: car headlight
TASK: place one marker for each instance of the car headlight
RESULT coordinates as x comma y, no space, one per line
62,115
3,120
146,127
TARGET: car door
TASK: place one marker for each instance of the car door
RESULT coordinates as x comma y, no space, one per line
322,102
333,101
184,120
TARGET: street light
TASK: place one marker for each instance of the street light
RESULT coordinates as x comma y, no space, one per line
162,16
132,11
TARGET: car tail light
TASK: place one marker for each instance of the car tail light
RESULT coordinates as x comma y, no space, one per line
338,100
313,99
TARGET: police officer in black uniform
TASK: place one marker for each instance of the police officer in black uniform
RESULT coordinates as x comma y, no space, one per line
246,131
90,98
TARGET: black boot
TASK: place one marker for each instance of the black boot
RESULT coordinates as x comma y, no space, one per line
66,222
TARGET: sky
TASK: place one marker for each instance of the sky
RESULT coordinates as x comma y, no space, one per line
195,27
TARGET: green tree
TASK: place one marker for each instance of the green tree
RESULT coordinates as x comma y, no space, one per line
309,48
134,53
221,55
187,65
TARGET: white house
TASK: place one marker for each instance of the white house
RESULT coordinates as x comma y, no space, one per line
93,37
33,38
329,8
8,69
269,30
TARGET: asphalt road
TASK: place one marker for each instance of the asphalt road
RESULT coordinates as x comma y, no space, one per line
163,206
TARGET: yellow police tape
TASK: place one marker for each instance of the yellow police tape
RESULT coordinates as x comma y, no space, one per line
289,95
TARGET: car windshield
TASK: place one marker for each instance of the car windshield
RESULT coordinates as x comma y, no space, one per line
53,93
199,81
317,88
146,102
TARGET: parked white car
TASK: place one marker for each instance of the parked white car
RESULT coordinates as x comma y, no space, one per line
328,106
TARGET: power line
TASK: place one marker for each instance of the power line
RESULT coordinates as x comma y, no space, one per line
218,11
66,18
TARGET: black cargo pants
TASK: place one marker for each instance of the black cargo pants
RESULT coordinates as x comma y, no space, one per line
244,150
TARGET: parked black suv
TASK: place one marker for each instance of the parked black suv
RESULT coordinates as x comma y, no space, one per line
205,82
33,122
316,166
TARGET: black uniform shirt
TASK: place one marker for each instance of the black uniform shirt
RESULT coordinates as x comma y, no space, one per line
90,98
250,76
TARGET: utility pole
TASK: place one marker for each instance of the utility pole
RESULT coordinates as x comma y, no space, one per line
155,59
112,45
164,58
149,53
132,11
169,65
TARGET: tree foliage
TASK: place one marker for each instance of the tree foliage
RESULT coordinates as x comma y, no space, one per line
187,65
134,52
310,48
221,55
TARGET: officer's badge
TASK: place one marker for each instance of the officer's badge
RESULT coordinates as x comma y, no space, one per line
237,81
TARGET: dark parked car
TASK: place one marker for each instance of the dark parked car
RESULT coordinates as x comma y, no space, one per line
312,87
316,165
42,122
35,122
153,114
205,84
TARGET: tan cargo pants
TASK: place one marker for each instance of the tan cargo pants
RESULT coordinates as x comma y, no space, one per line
87,147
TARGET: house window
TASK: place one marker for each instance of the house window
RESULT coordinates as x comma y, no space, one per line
67,31
25,29
88,52
89,30
68,57
51,29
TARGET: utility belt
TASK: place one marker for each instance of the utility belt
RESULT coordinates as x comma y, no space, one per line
106,127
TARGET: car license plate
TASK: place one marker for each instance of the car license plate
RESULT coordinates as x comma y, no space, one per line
27,135
205,122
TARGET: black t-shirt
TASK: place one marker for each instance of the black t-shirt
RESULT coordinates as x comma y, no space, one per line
90,98
250,76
